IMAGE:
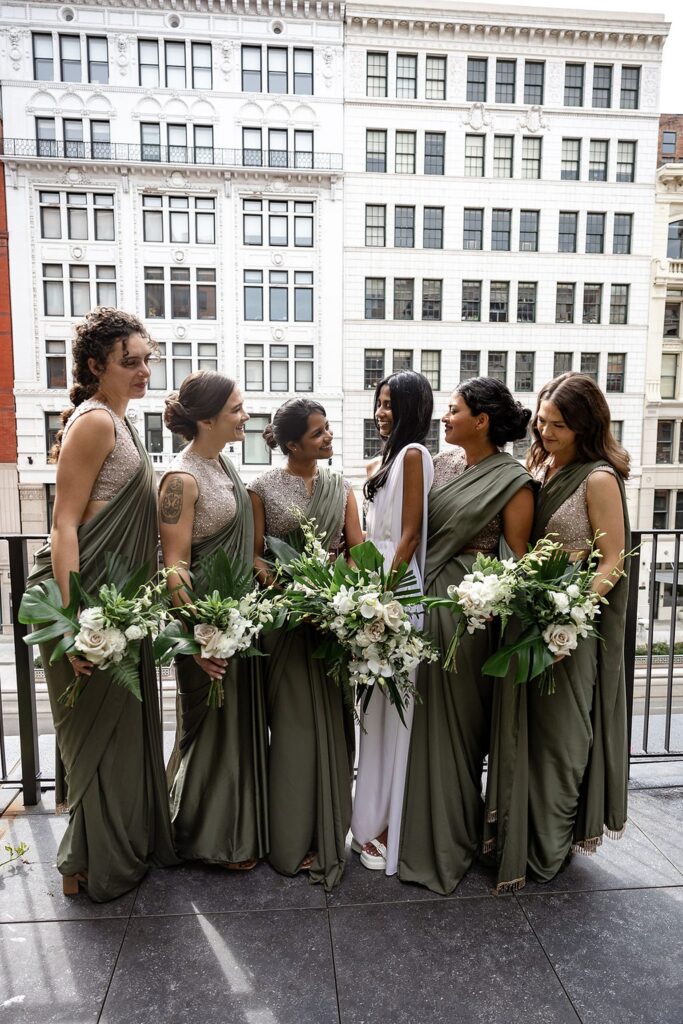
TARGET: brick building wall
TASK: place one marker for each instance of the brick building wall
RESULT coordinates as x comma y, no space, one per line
670,150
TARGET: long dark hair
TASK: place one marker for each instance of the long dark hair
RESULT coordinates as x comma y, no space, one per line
585,410
290,423
412,405
508,419
201,396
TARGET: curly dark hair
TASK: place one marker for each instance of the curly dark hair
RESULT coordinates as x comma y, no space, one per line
94,338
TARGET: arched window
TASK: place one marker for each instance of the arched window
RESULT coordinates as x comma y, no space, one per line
675,246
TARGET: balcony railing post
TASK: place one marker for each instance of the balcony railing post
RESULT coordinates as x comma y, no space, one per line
26,684
631,627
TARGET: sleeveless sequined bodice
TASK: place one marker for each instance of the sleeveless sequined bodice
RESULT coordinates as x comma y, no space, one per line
216,505
449,464
571,522
123,460
282,495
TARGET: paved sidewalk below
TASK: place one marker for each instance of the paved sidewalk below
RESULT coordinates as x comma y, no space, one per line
602,944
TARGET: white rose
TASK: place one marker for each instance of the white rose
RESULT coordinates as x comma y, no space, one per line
134,633
578,614
374,630
92,618
209,639
101,645
560,638
573,591
393,615
560,600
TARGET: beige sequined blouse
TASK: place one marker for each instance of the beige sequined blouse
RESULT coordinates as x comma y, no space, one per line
282,494
571,522
122,461
449,464
216,505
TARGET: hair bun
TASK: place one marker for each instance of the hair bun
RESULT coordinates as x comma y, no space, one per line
177,419
269,436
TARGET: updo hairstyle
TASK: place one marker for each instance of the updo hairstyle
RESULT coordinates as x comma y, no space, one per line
508,419
201,396
290,423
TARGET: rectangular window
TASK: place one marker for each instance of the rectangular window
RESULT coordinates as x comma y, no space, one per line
616,372
595,232
278,223
303,72
502,156
404,227
471,300
253,295
432,438
50,215
432,229
157,365
202,76
430,367
277,147
668,142
473,229
105,286
303,149
526,302
402,359
564,303
534,75
375,225
371,441
476,79
303,225
592,302
562,363
100,140
373,368
573,85
98,59
152,218
590,365
505,81
375,150
278,299
79,289
597,161
626,161
405,153
431,299
181,353
602,85
668,384
206,293
435,149
73,138
377,72
208,356
150,141
154,436
175,65
154,293
630,88
70,58
531,157
53,424
203,144
375,301
498,366
623,229
253,368
179,219
406,76
277,69
665,442
501,226
251,69
252,147
148,63
55,363
303,296
528,230
177,143
255,451
435,78
404,289
617,427
672,319
43,62
660,510
618,304
303,368
279,367
474,156
568,231
180,293
499,302
524,371
469,364
571,160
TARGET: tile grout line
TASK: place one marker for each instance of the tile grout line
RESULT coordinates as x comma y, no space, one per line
334,963
118,955
550,963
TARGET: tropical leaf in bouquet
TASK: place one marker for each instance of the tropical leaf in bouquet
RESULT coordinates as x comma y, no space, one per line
119,573
367,557
126,674
166,643
42,605
217,572
284,552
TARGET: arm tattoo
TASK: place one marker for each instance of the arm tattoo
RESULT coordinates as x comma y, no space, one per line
172,501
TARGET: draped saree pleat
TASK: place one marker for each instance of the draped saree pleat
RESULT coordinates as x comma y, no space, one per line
443,809
570,758
311,732
218,769
111,743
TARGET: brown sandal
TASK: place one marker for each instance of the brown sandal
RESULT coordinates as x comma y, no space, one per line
307,862
242,865
71,884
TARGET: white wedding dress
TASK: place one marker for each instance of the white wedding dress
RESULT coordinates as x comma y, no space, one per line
384,746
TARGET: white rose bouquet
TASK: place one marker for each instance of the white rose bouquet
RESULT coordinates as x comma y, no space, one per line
553,599
106,627
484,594
362,612
223,619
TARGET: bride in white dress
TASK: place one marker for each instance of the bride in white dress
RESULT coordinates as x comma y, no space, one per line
397,524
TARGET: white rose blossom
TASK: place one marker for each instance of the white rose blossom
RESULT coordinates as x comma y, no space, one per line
134,632
101,646
92,618
561,638
393,615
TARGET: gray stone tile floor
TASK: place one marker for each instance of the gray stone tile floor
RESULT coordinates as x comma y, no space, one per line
601,944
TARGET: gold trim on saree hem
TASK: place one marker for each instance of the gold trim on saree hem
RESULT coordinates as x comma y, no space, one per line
62,808
587,846
492,816
489,845
612,833
514,886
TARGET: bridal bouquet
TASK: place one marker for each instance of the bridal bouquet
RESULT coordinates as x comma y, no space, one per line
362,611
484,594
106,627
225,621
553,599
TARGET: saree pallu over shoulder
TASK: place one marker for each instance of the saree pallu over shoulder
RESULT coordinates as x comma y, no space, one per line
312,734
110,743
218,769
443,812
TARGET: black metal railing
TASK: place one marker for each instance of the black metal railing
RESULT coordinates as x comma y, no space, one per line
207,156
654,666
